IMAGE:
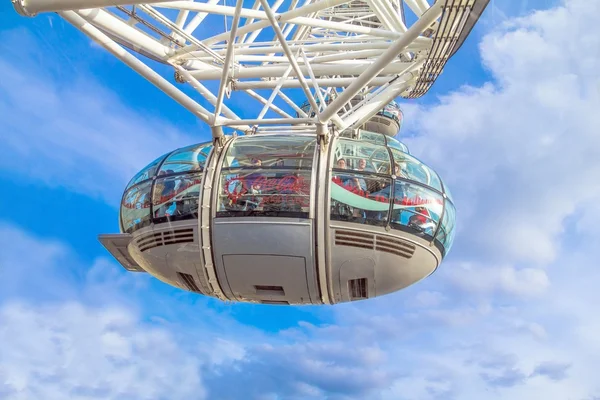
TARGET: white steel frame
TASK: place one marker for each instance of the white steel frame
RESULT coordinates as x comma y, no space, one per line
323,51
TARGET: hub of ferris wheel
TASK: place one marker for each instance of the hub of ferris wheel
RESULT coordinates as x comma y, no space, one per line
303,195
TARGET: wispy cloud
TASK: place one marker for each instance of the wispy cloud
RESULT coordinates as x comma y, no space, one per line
62,128
510,314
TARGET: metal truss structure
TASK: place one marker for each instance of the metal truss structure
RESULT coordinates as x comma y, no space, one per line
347,58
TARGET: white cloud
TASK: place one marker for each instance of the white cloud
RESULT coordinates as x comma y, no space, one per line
521,154
60,127
73,351
510,315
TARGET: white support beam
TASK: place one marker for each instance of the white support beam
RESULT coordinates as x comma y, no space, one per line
288,53
198,18
348,48
264,101
266,121
374,69
419,7
30,8
387,15
319,70
138,66
207,94
324,82
377,102
119,29
227,66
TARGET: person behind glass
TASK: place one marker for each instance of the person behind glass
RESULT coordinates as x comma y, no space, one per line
348,181
400,191
254,185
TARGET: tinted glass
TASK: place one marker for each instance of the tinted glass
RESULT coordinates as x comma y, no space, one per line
265,192
361,156
411,168
135,207
372,137
191,158
359,198
448,228
291,152
395,144
267,175
416,208
176,197
148,172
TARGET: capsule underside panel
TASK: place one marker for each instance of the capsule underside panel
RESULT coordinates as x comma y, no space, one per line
265,260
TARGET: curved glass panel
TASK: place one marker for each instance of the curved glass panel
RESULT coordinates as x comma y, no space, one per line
190,158
148,172
396,144
135,207
359,198
416,208
289,152
361,156
176,197
392,110
447,192
267,175
372,137
447,230
271,192
407,166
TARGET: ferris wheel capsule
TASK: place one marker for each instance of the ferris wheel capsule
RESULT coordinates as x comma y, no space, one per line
309,198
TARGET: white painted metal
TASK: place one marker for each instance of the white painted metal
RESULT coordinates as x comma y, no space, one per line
266,58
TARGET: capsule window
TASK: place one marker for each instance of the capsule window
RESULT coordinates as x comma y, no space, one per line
135,207
146,173
361,156
267,175
416,209
176,197
408,167
190,158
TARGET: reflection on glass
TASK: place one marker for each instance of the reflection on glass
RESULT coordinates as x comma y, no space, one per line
372,137
148,172
176,198
359,198
273,192
360,156
418,208
191,158
291,152
447,230
135,207
411,168
396,144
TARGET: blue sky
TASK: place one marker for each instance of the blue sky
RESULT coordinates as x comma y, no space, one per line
511,125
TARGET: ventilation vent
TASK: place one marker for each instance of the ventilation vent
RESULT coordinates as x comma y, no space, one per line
369,241
164,238
354,239
395,246
357,288
269,290
189,282
276,302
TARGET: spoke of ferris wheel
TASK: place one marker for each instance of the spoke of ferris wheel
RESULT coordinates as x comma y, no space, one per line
288,53
97,35
227,68
390,19
317,47
419,7
379,64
